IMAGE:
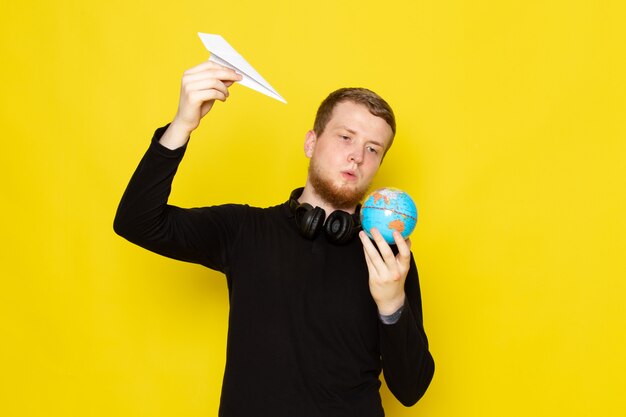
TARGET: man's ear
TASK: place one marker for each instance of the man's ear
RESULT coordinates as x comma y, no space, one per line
309,143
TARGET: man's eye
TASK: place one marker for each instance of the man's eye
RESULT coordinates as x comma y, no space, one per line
344,137
372,149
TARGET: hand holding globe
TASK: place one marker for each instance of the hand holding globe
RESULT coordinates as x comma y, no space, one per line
389,209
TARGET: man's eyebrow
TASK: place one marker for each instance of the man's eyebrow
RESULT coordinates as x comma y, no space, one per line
346,128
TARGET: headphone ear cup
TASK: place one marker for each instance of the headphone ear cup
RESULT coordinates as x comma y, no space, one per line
339,227
309,220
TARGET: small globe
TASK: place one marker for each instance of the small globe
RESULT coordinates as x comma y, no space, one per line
389,209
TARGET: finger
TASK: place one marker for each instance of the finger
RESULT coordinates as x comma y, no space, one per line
374,255
404,250
368,260
211,84
204,66
404,246
383,247
223,74
207,95
367,243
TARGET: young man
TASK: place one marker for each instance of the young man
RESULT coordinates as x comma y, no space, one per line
317,309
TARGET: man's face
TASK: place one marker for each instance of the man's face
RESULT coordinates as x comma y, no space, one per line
346,156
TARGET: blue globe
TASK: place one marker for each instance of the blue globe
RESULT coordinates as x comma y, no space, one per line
389,209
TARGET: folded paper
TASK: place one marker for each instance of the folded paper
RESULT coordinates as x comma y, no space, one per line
224,54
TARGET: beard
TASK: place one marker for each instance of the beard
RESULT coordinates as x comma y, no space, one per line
343,197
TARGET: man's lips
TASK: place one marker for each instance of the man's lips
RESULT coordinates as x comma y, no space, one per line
349,175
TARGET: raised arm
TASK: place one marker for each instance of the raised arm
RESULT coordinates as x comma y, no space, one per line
143,216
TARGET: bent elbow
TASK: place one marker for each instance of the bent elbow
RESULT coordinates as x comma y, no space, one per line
119,227
408,396
122,226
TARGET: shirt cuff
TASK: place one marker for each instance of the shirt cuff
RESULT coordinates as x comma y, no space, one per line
155,146
393,317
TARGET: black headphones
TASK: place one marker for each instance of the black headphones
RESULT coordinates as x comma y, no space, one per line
339,227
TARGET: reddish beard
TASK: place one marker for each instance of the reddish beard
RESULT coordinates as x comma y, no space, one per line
340,197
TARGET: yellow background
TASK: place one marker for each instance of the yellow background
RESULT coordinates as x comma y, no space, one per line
511,139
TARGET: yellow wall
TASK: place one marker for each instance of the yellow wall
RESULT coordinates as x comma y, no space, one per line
512,140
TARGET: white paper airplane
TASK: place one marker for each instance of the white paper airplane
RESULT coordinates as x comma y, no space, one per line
224,54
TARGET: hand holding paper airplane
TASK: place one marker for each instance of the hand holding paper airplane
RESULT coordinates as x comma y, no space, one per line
224,54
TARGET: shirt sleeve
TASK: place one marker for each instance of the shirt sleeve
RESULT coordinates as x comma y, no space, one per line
144,217
408,365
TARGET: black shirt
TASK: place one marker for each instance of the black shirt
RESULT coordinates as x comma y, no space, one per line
304,335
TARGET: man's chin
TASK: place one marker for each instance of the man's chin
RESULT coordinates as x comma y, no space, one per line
343,197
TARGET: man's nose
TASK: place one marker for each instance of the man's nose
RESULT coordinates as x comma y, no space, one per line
356,155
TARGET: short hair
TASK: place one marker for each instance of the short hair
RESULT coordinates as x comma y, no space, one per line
374,103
